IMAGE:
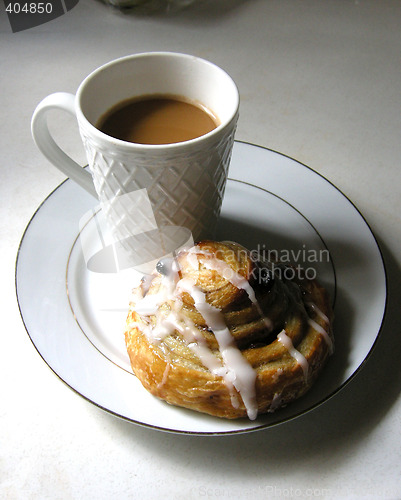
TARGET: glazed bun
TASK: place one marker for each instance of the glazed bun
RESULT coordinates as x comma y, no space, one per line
219,331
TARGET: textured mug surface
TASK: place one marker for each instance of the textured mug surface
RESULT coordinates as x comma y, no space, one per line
185,187
184,181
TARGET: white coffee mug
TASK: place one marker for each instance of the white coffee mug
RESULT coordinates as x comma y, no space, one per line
184,181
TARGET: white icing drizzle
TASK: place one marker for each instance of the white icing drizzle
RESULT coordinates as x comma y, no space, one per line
149,304
234,368
197,344
191,256
165,325
318,311
276,402
228,273
319,328
146,281
323,332
277,374
165,375
239,372
284,339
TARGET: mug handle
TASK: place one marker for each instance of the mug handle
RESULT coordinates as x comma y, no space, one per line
47,145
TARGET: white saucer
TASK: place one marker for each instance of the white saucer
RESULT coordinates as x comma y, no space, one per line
75,317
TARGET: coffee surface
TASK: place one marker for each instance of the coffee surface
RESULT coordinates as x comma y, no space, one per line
157,120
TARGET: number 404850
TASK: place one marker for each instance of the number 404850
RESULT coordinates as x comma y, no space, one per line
29,8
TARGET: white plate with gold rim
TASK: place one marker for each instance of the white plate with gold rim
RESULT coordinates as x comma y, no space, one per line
75,317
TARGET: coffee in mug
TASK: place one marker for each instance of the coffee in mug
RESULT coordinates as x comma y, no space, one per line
157,119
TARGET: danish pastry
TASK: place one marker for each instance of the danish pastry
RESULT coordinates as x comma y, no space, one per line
219,331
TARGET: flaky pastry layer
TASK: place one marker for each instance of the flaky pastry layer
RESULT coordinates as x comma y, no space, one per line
219,332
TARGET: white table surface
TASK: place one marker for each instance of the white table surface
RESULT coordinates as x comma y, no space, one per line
321,82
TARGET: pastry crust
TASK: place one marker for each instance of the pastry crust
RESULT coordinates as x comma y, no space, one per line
219,332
